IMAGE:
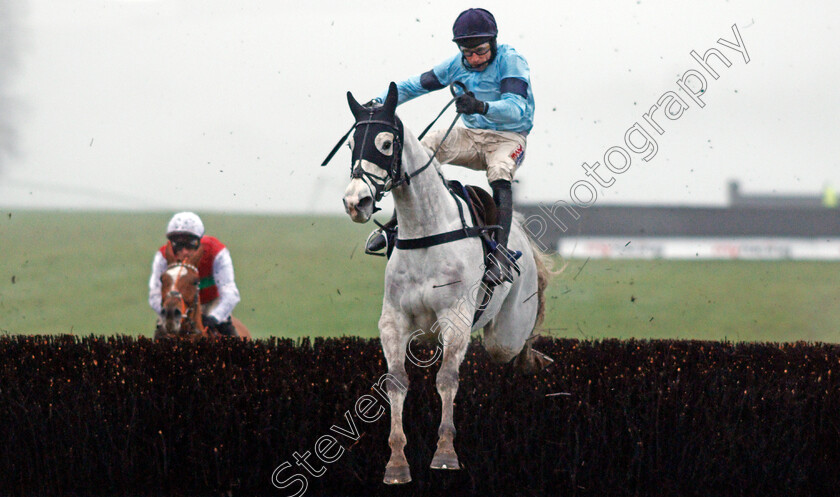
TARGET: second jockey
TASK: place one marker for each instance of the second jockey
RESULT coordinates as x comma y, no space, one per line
217,289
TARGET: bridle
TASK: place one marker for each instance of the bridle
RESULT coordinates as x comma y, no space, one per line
381,184
395,176
187,313
384,184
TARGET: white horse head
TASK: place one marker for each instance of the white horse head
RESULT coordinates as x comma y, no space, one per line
377,155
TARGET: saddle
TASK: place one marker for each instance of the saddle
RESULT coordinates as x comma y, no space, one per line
482,209
484,214
482,205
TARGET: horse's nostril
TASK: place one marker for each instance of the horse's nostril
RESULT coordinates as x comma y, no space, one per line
364,203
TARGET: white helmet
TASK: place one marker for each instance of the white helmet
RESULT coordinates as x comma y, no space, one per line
185,223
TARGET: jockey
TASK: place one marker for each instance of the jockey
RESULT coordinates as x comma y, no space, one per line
497,110
217,289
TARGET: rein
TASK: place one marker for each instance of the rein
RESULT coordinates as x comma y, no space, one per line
445,136
455,96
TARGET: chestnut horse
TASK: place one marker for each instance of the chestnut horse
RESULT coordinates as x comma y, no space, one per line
181,306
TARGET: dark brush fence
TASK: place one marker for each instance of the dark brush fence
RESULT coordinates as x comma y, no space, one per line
124,416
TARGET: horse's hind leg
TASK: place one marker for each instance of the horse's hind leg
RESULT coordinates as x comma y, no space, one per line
509,334
394,347
455,336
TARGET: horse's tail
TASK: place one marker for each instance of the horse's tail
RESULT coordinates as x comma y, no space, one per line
545,272
544,275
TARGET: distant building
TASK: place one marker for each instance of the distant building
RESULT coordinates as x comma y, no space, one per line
772,201
752,226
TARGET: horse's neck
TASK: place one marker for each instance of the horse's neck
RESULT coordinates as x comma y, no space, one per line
424,205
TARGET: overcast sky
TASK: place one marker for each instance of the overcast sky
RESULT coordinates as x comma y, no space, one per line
232,105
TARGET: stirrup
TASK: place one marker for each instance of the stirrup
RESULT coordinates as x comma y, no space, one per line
495,274
377,243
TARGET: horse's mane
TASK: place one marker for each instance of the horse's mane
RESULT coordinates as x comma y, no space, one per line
425,153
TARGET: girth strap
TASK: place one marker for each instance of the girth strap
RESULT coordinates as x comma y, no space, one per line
439,239
488,294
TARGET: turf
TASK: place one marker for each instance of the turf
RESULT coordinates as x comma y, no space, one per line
87,272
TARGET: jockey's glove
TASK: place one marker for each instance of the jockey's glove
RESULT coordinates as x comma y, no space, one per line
210,322
468,104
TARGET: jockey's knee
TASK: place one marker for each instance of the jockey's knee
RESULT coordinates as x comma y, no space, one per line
500,171
432,139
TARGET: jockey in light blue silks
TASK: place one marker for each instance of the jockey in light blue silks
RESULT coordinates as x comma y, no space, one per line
497,112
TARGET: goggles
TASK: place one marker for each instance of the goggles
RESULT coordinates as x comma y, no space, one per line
479,50
179,243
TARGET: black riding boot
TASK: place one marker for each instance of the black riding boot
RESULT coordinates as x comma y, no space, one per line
499,266
226,328
383,238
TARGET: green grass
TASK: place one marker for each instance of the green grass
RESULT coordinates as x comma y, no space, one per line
709,300
82,273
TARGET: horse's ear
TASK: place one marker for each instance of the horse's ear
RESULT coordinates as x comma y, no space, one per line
355,106
168,254
196,257
392,97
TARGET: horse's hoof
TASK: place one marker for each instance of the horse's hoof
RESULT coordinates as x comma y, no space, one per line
531,361
397,475
542,360
445,460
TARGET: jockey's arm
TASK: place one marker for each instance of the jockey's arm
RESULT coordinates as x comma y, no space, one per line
415,86
511,108
158,268
225,284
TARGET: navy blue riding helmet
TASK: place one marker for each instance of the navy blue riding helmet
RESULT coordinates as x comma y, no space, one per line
474,23
473,27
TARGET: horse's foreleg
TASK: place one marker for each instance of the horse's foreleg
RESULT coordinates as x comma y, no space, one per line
394,347
455,337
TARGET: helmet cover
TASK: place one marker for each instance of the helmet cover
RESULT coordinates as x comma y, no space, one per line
185,223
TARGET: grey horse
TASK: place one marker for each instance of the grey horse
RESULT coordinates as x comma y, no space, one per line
433,280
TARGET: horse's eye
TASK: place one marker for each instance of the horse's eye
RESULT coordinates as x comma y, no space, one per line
385,143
